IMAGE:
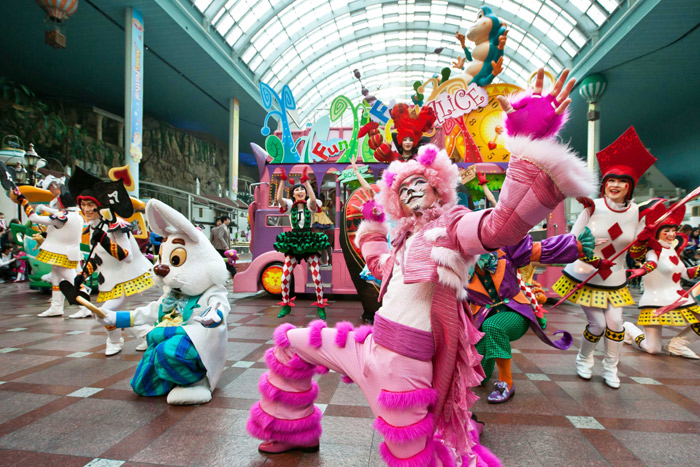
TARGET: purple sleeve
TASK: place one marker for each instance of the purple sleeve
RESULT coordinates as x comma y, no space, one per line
559,249
520,253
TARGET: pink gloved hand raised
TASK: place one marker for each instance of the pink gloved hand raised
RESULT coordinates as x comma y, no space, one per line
531,114
372,211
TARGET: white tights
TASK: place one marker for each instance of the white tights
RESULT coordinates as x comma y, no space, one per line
599,319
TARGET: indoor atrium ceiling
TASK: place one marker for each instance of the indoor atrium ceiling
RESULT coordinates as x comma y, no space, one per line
314,45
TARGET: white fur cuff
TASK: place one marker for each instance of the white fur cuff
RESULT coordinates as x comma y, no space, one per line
370,227
567,170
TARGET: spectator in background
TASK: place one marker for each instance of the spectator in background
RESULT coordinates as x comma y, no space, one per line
217,223
220,235
6,237
221,239
694,239
7,263
155,241
3,226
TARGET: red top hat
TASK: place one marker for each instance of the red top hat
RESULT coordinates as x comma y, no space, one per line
626,157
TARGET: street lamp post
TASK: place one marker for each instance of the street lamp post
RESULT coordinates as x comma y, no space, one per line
32,159
592,89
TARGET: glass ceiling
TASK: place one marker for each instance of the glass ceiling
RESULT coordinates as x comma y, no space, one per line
314,45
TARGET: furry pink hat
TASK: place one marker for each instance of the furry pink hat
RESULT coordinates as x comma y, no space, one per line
434,165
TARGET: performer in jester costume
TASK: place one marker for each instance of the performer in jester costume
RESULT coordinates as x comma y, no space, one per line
300,243
123,271
662,272
501,309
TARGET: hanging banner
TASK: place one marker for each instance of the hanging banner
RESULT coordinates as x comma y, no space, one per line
136,87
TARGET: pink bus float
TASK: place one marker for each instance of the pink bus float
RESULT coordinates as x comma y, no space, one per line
266,221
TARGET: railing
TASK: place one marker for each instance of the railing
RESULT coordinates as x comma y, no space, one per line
168,194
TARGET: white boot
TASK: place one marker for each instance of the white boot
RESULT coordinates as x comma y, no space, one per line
613,349
56,308
632,332
678,347
115,342
584,359
81,313
143,345
197,393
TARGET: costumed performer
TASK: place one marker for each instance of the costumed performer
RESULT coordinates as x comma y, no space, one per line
410,124
662,272
616,218
300,243
416,367
123,271
503,306
187,347
61,248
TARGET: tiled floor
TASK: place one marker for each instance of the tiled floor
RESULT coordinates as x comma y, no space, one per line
63,403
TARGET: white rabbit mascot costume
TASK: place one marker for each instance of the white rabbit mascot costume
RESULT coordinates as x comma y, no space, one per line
187,347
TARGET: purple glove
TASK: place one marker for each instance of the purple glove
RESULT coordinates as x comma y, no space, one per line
534,116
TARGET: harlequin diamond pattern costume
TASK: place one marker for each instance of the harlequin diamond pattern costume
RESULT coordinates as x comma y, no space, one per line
604,296
418,362
662,271
301,243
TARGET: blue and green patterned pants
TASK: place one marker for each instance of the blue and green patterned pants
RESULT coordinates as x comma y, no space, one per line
171,360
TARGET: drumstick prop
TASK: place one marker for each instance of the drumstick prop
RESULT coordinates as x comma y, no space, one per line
658,222
75,296
683,295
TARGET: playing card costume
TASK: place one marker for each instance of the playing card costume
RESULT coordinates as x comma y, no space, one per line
61,247
604,296
662,271
417,364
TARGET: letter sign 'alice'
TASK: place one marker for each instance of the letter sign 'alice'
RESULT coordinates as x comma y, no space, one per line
462,102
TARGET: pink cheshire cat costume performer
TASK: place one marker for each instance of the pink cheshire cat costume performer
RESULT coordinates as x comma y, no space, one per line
417,364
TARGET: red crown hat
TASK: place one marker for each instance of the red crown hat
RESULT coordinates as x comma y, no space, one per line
658,210
625,157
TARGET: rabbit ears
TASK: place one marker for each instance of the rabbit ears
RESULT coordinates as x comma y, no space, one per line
166,221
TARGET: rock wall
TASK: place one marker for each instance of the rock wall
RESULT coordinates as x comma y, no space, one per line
67,132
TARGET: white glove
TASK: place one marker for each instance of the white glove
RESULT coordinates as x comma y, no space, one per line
211,316
110,318
39,208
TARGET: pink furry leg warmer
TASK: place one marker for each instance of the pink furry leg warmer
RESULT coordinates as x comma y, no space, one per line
485,458
286,412
407,425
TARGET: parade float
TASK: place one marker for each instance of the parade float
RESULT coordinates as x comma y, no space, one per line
468,125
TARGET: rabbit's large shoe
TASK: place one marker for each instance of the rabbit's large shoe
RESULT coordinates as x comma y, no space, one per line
197,393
